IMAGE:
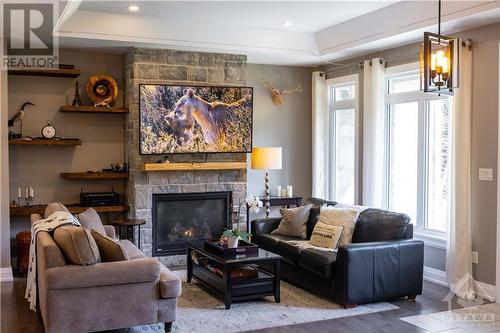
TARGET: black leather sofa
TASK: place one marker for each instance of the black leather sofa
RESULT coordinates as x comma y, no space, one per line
383,262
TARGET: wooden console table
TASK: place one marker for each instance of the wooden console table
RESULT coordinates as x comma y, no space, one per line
274,202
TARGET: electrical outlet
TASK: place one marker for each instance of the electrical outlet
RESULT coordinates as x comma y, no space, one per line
486,174
475,257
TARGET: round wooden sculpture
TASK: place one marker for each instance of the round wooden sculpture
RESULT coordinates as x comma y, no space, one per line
102,89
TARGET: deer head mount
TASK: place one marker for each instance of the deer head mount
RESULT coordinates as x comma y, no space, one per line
278,96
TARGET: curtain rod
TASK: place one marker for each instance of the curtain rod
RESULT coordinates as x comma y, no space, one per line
360,64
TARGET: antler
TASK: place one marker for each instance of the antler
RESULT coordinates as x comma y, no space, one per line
267,84
298,89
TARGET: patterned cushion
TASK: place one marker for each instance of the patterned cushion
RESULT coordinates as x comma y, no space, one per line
344,217
325,235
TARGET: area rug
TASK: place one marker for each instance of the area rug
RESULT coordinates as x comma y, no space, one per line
201,311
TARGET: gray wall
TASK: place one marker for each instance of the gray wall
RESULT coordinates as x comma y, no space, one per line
4,176
484,146
484,139
101,134
287,126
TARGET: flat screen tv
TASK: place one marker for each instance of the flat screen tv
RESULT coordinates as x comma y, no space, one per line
195,119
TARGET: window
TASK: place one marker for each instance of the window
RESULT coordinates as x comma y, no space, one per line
418,139
343,108
403,158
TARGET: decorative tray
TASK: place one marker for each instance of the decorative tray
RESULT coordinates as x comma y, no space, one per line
244,249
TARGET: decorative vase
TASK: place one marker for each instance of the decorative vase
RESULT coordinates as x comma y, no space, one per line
232,241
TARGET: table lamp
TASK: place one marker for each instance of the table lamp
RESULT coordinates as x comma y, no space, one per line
266,158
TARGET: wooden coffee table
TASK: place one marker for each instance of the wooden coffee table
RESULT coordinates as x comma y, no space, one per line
237,289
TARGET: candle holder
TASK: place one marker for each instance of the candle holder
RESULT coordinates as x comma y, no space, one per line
29,201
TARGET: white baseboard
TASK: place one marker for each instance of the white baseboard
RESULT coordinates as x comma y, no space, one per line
484,290
6,274
435,276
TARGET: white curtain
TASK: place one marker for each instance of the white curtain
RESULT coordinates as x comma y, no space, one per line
319,136
459,248
373,132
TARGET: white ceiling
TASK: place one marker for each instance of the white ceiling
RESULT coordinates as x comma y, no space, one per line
306,16
321,30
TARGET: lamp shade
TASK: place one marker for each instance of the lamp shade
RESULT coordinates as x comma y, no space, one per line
266,158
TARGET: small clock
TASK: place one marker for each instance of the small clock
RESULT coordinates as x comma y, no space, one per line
48,131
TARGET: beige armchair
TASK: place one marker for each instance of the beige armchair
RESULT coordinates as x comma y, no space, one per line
103,296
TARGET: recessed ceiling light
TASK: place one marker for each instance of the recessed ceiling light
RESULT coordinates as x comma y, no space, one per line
286,24
133,8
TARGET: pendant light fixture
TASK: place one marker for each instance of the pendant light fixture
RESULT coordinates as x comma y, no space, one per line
439,62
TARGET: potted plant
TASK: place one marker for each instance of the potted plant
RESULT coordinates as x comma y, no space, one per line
234,235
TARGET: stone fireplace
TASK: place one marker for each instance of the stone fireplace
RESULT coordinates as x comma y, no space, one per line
188,216
155,66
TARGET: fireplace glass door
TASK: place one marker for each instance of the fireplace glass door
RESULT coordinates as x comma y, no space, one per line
181,217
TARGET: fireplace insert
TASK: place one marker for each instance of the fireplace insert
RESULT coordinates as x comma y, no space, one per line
181,217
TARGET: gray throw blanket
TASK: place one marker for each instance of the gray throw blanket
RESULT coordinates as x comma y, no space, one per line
49,224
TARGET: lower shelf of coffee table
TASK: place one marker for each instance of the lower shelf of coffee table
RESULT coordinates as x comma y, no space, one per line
261,285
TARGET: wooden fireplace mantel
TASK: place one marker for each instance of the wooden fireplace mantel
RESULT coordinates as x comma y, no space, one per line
195,166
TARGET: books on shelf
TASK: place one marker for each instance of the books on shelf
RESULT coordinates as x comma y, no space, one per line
248,271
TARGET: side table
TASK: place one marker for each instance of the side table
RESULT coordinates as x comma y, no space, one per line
23,240
274,202
126,227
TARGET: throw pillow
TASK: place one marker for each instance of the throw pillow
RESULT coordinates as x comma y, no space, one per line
109,249
77,245
325,235
90,220
343,217
54,207
293,222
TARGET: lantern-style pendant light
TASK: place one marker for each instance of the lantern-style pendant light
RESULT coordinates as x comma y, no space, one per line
439,62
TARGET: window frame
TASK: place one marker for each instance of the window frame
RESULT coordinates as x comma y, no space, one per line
353,103
434,238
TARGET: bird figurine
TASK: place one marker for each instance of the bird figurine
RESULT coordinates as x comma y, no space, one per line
19,116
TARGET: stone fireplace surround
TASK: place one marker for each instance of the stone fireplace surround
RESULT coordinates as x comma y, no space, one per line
157,66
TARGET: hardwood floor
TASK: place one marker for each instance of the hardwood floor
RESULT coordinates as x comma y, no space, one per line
17,318
384,322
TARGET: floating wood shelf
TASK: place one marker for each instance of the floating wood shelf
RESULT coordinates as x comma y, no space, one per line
195,166
93,109
73,208
103,175
47,72
46,142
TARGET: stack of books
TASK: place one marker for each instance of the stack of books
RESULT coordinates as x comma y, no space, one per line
249,271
